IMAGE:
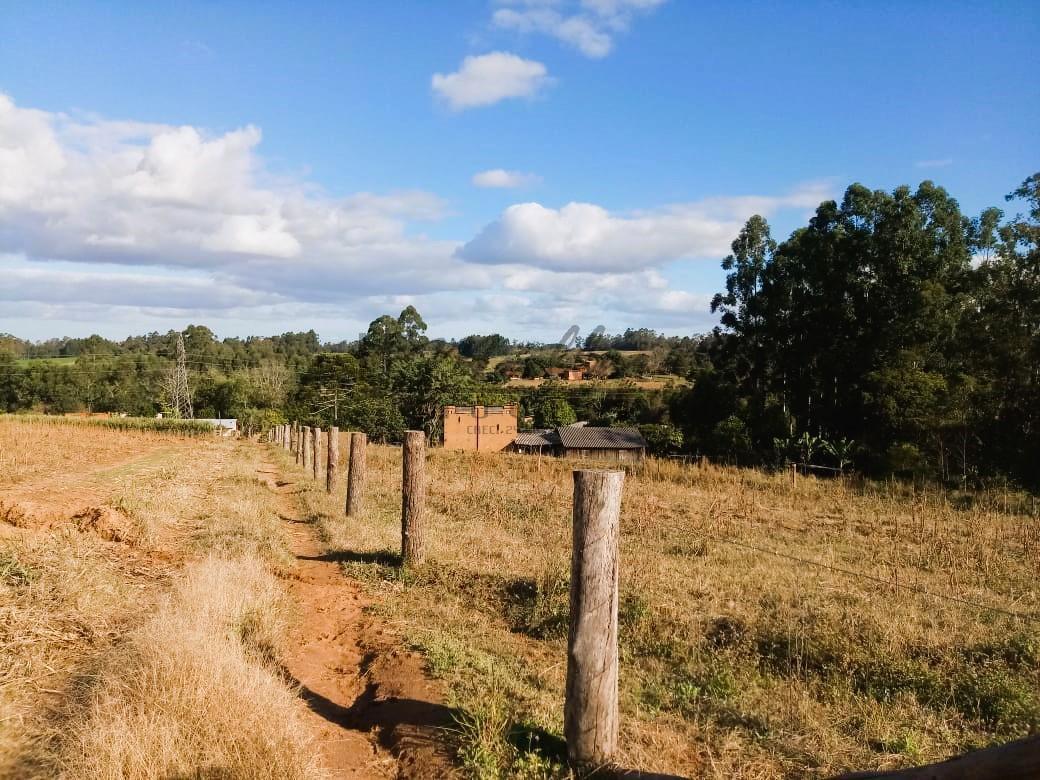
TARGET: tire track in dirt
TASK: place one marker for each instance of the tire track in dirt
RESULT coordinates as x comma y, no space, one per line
375,713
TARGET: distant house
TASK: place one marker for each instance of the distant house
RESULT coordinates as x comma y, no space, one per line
537,442
624,445
480,428
621,445
225,426
575,375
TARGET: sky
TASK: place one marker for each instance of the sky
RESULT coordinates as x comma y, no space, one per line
512,166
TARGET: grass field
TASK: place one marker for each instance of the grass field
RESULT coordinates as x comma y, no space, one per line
139,609
736,662
768,628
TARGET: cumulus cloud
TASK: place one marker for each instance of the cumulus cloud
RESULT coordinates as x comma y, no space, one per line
489,78
589,26
585,236
503,179
115,192
134,225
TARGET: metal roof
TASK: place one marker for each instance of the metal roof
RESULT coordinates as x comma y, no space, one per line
587,437
543,437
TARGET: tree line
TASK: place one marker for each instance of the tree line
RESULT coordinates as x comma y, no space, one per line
891,334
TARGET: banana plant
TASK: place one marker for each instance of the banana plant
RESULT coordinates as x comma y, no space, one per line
842,451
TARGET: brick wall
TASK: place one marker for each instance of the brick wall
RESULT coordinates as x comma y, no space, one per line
484,428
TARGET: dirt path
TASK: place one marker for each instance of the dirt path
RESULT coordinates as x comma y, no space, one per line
373,710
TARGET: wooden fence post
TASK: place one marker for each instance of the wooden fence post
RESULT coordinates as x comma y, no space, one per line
413,498
299,444
316,455
308,448
286,436
356,474
591,705
332,467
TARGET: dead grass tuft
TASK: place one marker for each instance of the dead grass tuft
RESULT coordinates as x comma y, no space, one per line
193,690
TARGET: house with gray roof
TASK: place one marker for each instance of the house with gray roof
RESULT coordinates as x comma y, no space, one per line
620,445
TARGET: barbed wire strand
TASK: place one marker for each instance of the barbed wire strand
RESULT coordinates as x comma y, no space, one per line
875,579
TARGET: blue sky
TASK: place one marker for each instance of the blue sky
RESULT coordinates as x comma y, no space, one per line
261,167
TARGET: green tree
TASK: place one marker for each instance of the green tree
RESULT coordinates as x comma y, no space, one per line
552,412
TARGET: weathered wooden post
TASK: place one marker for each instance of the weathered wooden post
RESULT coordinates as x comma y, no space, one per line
299,444
356,474
413,498
286,436
332,468
591,705
316,455
308,448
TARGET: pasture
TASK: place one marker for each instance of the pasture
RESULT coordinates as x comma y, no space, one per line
768,629
176,604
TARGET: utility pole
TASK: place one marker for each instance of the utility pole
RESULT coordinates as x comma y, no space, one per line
329,399
180,394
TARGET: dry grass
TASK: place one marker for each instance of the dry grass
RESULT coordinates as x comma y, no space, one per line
155,656
33,448
735,662
194,692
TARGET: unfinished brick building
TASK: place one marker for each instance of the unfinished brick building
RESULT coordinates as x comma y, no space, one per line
480,428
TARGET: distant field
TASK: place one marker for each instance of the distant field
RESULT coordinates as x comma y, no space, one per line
54,361
768,629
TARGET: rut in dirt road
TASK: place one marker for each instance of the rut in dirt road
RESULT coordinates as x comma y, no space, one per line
374,712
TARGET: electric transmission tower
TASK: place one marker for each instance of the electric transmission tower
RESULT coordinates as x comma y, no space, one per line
180,395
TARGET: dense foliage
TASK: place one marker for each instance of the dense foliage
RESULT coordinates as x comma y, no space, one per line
891,331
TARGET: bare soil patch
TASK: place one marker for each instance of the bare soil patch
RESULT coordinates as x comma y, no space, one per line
375,712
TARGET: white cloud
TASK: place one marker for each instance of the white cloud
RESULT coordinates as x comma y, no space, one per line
127,193
486,79
122,226
584,236
50,283
589,26
501,178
